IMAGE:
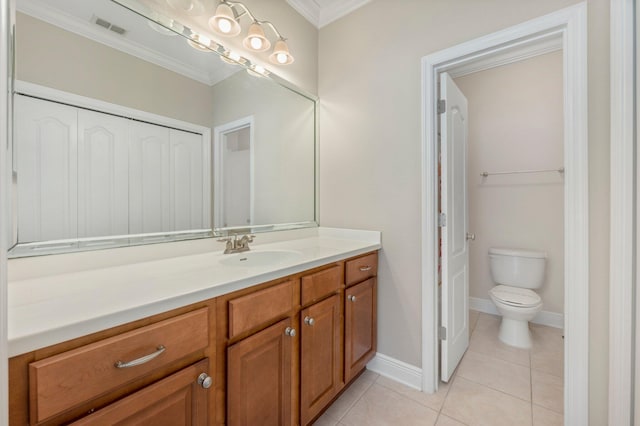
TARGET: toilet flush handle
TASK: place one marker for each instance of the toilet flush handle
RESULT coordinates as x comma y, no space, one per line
471,236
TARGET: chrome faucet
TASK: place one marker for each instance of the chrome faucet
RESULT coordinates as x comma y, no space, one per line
237,245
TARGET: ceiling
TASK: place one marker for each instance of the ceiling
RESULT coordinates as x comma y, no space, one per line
323,12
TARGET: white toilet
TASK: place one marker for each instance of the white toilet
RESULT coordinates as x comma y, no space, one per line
517,273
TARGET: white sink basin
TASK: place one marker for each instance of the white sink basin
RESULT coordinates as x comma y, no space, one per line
257,259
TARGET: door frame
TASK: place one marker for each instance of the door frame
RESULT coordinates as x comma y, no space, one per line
570,24
623,333
7,18
218,166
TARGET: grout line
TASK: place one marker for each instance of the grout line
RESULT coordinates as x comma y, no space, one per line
358,398
494,389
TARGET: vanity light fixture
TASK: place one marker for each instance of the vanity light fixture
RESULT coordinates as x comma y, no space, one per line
258,71
232,58
201,43
226,22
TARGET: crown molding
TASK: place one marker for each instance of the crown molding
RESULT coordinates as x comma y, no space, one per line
41,10
321,16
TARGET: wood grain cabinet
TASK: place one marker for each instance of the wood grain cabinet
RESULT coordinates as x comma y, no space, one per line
259,375
360,327
320,356
151,372
279,353
180,399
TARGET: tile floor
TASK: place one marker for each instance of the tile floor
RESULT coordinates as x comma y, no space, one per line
494,385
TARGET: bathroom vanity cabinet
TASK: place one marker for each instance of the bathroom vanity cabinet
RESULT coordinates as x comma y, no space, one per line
276,353
142,370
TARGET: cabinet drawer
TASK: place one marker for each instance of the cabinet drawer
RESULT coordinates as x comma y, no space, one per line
260,307
361,268
320,284
62,381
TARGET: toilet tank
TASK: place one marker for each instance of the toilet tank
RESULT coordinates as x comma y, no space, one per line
517,267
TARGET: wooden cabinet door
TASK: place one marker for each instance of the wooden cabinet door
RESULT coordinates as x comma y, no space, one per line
259,378
46,135
175,401
359,327
321,355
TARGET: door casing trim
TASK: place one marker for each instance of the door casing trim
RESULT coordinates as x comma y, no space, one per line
571,25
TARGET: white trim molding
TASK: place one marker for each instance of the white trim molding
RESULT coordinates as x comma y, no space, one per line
571,25
397,370
320,16
7,18
548,318
623,199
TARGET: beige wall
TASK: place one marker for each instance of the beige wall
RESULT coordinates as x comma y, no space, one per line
52,57
370,90
515,123
284,145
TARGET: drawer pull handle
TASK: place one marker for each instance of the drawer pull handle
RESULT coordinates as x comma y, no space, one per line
365,268
351,298
309,321
142,360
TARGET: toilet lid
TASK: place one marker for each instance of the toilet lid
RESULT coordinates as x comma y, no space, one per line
516,296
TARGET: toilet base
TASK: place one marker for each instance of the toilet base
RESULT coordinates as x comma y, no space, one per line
515,333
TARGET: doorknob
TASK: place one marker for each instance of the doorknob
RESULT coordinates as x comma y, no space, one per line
471,236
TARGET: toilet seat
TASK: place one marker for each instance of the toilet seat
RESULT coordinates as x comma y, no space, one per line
516,297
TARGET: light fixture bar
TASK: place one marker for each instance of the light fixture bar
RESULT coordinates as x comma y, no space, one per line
226,22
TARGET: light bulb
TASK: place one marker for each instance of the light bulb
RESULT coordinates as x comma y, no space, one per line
204,40
256,43
234,56
259,69
281,58
224,25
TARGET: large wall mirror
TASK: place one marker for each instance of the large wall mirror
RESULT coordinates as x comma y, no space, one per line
127,131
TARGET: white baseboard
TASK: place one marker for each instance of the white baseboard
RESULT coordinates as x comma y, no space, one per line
394,369
551,319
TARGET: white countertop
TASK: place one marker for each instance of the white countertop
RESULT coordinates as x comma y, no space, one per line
51,309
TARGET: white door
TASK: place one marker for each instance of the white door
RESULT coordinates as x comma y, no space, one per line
103,174
149,191
47,149
188,210
455,253
237,178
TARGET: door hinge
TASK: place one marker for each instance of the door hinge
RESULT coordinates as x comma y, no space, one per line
442,333
442,106
442,220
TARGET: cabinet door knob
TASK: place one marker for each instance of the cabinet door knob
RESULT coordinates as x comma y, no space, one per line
309,321
205,380
351,298
290,332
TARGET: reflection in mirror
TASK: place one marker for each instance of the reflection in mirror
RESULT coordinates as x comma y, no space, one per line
234,159
124,133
